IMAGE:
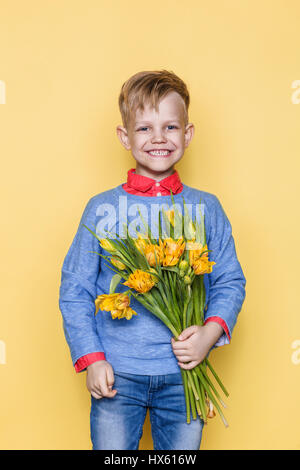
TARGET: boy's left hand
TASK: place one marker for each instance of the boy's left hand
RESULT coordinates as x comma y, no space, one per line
194,343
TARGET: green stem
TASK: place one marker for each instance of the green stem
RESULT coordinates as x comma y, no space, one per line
198,407
203,401
167,303
190,378
213,399
189,312
217,406
204,373
155,292
196,295
192,400
175,303
216,377
186,394
202,298
206,382
197,384
154,308
185,305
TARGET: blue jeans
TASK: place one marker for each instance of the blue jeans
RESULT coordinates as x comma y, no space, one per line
117,423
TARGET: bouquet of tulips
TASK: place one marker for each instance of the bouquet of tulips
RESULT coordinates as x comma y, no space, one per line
167,277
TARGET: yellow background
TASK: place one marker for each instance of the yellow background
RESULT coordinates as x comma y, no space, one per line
63,63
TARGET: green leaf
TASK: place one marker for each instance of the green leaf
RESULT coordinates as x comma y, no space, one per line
189,226
170,268
114,282
169,229
146,226
200,228
189,312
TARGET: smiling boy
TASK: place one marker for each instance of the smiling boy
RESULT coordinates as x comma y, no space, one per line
139,357
157,140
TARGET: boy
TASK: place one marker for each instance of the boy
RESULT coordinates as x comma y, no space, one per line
139,357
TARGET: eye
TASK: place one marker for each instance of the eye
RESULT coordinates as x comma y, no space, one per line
144,128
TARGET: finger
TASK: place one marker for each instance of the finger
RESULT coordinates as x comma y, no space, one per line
96,386
184,358
105,390
110,393
179,344
180,348
177,341
110,378
189,365
96,394
188,332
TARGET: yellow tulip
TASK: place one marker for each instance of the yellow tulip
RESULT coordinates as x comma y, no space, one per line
105,302
116,313
140,281
198,259
202,265
117,304
117,263
106,245
170,215
173,250
195,249
151,251
190,230
141,243
122,301
126,313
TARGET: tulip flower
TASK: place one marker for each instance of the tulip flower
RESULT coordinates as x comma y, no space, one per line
140,281
154,253
173,250
202,265
107,245
117,263
117,304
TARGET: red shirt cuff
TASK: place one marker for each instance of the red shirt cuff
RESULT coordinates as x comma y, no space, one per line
221,322
88,359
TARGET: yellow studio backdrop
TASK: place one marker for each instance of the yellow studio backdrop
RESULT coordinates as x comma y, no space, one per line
62,65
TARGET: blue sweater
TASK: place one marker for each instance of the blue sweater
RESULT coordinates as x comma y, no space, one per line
141,345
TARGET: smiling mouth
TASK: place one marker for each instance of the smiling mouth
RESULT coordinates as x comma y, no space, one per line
160,153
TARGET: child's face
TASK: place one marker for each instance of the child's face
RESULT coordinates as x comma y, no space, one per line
152,131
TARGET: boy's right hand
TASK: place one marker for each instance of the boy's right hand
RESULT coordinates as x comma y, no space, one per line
100,379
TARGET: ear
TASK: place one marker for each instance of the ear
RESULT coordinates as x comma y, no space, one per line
123,137
188,133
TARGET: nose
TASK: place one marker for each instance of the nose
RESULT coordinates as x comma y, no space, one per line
158,136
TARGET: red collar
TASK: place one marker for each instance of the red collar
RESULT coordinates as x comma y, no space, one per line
139,183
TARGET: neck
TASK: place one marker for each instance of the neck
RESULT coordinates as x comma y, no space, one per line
157,176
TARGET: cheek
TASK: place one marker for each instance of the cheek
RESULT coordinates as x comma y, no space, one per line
139,142
178,139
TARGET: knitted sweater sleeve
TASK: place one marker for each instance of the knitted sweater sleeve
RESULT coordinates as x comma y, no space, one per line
227,280
77,291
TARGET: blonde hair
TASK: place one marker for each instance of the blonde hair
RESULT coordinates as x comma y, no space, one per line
150,87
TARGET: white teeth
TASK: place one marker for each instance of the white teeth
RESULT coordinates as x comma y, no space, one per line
159,152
